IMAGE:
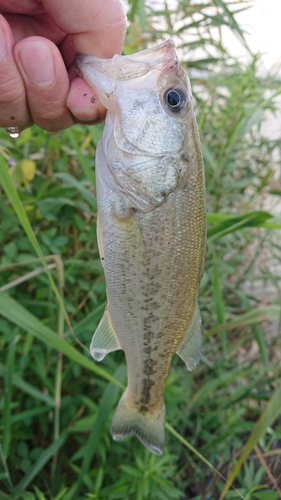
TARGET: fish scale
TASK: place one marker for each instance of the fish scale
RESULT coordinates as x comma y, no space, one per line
152,229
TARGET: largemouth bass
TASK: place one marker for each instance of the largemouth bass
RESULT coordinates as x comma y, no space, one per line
151,228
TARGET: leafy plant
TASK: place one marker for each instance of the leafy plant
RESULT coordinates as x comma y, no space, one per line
57,403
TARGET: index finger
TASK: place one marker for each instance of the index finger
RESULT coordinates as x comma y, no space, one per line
97,26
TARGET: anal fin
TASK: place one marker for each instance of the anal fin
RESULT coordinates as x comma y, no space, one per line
191,347
104,339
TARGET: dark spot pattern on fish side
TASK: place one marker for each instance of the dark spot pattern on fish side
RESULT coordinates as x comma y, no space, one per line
185,157
146,390
148,350
143,409
148,367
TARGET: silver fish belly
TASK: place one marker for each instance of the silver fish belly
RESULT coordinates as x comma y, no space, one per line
151,228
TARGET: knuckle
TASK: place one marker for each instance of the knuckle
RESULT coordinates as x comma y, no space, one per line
13,106
49,115
11,91
53,120
48,108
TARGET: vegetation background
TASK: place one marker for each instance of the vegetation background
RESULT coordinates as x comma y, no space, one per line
56,404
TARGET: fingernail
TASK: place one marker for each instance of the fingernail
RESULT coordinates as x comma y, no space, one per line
3,43
37,62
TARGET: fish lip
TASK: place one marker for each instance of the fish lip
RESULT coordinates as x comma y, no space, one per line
98,75
166,44
103,75
164,56
82,61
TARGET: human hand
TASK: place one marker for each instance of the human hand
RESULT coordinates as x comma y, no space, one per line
38,43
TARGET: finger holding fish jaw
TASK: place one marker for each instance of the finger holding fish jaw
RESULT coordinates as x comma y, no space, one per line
38,43
37,88
84,103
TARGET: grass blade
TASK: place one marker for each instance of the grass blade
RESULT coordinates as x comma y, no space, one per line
219,305
269,414
89,171
87,321
86,194
41,462
180,438
12,194
106,403
8,398
196,452
5,475
255,316
232,22
3,496
260,338
24,386
229,224
18,315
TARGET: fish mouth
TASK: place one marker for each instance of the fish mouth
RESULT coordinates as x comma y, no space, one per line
146,59
103,74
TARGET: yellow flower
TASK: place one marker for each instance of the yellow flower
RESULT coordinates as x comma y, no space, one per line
28,170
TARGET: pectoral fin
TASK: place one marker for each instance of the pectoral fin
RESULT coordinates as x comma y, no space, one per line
191,347
104,339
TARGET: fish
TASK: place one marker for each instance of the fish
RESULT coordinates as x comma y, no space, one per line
151,228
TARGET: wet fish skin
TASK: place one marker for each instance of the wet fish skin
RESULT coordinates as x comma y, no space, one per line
151,228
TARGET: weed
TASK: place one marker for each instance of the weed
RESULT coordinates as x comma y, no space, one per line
224,441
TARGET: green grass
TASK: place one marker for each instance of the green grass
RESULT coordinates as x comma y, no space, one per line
223,419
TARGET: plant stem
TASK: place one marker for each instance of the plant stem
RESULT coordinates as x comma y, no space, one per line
58,381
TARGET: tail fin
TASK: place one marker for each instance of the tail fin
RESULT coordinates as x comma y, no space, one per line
149,428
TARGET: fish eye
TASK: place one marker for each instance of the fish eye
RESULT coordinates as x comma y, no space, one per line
176,99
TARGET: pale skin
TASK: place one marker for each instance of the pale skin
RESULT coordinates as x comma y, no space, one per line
38,43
